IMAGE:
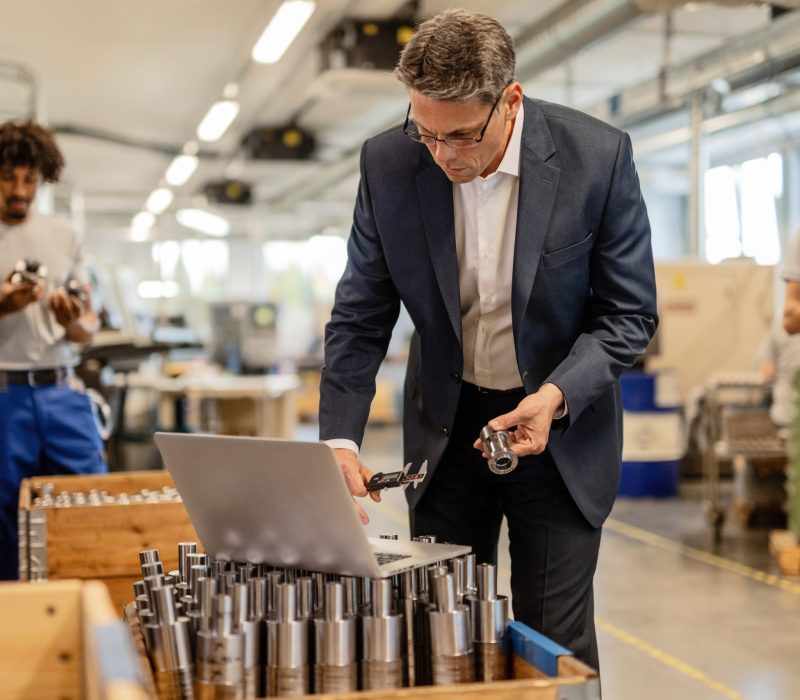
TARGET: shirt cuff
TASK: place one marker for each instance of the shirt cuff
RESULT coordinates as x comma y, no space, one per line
342,443
563,410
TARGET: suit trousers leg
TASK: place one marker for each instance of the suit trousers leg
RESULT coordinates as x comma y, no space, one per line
553,548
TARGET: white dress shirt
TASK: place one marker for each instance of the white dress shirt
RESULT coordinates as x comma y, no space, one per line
485,212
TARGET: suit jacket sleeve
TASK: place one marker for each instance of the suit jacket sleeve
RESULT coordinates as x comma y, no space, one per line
356,338
622,313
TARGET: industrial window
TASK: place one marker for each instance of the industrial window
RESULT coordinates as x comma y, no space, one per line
740,211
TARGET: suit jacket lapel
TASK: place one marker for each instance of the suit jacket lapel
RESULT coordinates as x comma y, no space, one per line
538,181
436,198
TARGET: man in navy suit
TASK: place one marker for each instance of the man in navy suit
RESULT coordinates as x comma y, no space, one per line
515,234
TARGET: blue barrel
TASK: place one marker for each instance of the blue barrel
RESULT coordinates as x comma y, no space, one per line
653,441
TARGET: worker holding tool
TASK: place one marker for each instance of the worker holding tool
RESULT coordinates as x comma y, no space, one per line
514,232
47,424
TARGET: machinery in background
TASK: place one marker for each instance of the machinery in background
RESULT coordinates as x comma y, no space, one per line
244,336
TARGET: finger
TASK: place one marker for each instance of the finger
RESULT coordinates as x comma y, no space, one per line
375,496
507,420
355,483
362,514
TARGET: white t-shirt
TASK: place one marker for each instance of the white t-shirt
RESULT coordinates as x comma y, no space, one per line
32,338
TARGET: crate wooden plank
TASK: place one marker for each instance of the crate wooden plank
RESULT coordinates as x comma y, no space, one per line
92,541
41,636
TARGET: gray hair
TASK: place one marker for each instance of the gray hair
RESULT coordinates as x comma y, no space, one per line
458,55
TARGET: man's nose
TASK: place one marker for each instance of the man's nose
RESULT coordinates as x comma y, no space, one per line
442,151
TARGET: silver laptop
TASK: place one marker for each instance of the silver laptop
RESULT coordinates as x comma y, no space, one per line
283,503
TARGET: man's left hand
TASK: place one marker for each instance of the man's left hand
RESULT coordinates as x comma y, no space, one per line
532,418
65,308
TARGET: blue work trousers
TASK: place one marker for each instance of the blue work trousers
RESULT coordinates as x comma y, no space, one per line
44,431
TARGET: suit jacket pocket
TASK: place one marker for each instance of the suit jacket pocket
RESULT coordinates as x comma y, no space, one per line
564,255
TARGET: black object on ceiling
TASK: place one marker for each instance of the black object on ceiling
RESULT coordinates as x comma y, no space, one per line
278,143
228,192
358,43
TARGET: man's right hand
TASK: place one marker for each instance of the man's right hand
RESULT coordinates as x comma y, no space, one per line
356,476
15,297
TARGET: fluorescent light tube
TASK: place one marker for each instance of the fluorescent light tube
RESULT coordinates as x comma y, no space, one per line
217,120
203,221
159,200
282,29
181,169
141,225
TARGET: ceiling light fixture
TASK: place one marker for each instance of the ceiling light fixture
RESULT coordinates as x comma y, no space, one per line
282,29
141,225
203,221
181,169
159,200
217,120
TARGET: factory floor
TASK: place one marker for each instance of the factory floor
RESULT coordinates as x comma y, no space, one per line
677,616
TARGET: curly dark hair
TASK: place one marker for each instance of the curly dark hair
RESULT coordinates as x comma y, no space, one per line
29,144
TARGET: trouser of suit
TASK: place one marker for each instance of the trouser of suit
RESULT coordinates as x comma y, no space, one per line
44,431
553,548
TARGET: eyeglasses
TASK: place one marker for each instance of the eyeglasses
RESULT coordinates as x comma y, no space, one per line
452,141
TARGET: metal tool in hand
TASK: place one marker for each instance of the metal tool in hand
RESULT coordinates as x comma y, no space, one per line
27,270
497,445
382,481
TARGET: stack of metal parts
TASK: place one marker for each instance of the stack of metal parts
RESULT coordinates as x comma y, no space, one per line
218,629
46,497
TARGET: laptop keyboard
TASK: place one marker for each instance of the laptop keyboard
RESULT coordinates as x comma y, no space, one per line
387,558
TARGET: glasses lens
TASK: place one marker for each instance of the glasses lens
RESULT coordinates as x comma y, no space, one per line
461,143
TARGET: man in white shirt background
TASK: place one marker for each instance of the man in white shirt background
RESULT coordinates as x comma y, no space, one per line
515,234
46,425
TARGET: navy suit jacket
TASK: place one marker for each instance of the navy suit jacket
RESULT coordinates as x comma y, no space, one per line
583,293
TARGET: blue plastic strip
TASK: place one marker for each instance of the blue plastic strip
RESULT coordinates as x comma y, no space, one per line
535,648
116,658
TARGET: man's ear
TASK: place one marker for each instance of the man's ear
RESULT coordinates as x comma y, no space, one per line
513,100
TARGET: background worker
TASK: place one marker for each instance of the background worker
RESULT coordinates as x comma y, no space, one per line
47,424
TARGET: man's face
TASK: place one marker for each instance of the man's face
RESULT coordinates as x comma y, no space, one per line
447,118
18,186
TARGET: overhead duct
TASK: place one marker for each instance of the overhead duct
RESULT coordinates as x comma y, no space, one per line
743,61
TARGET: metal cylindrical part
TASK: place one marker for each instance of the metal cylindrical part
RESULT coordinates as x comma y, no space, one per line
220,660
497,445
381,597
487,581
489,619
274,579
383,638
222,615
241,604
286,608
207,589
287,682
197,559
458,566
152,568
164,600
471,573
196,572
450,632
334,601
388,537
184,549
305,597
447,670
148,556
445,588
492,662
258,598
336,679
335,635
350,584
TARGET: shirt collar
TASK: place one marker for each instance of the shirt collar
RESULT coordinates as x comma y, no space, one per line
510,162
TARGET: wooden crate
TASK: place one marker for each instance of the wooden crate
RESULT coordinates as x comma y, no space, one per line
542,670
102,541
784,547
64,639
